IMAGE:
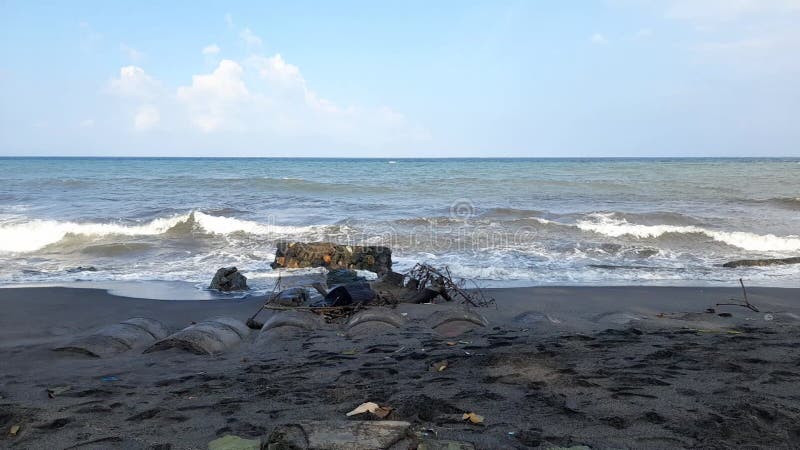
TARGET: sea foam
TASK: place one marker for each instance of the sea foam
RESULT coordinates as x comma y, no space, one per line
608,226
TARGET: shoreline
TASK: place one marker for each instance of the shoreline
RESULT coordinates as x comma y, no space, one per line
642,367
190,291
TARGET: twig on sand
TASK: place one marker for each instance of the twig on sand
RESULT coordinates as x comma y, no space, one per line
746,303
251,322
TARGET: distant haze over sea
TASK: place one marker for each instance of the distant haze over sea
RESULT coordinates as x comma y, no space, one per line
499,221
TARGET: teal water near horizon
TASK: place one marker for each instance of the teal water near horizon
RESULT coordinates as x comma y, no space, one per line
499,221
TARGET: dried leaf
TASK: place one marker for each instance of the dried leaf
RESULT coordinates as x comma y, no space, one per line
371,407
440,366
382,412
364,407
14,430
450,343
472,417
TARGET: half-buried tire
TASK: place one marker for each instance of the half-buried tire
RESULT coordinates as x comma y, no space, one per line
283,325
374,321
455,322
133,334
205,338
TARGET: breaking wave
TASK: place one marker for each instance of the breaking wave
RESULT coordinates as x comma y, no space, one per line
29,236
609,226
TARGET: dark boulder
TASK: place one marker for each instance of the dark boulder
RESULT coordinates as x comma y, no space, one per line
229,279
762,262
377,259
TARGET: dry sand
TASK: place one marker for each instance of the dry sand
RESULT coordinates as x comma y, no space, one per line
617,367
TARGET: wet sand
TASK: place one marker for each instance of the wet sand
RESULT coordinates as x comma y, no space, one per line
616,367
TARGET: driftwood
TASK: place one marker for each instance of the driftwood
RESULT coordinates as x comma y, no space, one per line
746,303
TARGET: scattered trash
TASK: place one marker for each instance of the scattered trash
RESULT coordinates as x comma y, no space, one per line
57,390
14,430
110,378
371,407
231,442
450,343
472,417
440,366
768,317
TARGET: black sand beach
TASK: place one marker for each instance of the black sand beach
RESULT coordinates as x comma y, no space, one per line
632,367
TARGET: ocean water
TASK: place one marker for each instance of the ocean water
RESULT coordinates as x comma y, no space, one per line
497,221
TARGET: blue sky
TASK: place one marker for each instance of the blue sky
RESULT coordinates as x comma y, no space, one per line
394,79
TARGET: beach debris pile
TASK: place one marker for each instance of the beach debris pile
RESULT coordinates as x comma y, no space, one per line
293,255
228,279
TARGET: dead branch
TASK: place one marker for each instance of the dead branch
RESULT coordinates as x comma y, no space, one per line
746,303
251,322
430,282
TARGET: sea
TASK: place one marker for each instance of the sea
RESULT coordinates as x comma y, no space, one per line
495,222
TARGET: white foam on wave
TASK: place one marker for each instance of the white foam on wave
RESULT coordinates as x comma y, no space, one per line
35,234
228,225
606,225
27,236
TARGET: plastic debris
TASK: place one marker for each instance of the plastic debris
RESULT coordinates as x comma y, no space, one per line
472,417
110,378
14,430
440,366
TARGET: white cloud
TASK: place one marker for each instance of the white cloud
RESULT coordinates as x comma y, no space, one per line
250,38
131,53
255,102
147,117
598,38
211,50
87,123
212,98
133,82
